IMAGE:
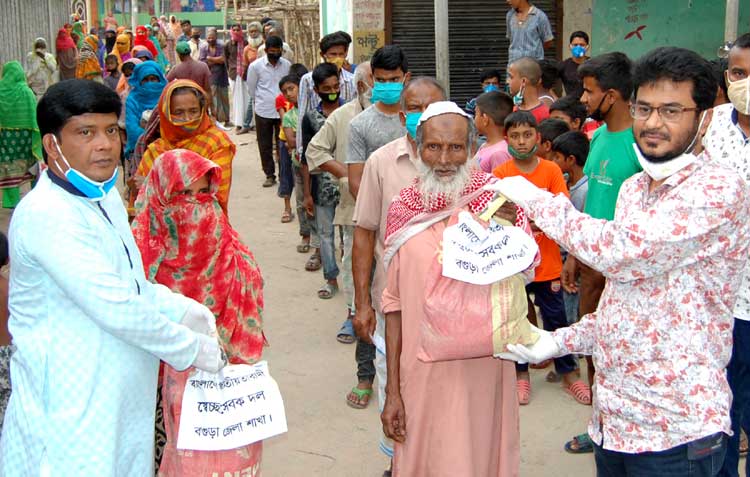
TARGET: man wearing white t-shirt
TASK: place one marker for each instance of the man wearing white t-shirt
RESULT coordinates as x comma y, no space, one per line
727,142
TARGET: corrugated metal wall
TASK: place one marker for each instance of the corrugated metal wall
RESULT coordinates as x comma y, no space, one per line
476,36
413,29
26,20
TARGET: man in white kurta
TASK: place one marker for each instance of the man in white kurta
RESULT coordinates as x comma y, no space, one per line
89,331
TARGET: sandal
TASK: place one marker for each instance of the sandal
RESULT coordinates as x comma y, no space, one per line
346,333
313,263
360,394
580,444
287,217
303,247
523,389
327,291
580,392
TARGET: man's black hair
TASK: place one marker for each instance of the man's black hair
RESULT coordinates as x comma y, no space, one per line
298,69
274,42
497,105
611,71
70,98
719,67
550,129
519,118
338,38
579,34
491,73
389,58
4,251
571,106
573,143
322,72
550,73
185,22
678,65
265,20
743,41
289,79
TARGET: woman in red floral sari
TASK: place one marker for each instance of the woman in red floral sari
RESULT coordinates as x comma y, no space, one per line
188,245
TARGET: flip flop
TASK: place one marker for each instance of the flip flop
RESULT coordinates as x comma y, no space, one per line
580,444
303,247
523,389
580,392
360,393
287,217
743,444
327,291
346,333
313,263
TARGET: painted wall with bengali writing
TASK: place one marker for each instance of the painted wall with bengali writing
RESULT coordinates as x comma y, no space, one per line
369,28
638,26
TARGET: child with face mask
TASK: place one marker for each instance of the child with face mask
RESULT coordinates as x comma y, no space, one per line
490,80
524,81
523,140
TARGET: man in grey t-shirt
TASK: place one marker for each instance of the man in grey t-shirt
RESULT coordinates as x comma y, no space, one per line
371,130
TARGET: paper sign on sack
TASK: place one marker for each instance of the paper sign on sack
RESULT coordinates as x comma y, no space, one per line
482,256
235,407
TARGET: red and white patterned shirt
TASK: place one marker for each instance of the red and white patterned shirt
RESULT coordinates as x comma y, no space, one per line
662,335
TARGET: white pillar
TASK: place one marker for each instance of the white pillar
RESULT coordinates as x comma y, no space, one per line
442,46
731,19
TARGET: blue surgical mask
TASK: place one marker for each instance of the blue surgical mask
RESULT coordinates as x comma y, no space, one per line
518,98
94,190
387,93
490,88
412,119
578,51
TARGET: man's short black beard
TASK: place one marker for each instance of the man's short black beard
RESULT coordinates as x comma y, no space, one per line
677,152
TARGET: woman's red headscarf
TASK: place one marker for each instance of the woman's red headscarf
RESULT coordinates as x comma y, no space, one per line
64,40
187,244
141,39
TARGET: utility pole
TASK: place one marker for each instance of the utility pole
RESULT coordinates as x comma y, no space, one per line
730,20
442,46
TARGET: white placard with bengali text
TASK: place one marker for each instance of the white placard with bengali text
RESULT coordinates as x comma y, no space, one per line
233,408
480,256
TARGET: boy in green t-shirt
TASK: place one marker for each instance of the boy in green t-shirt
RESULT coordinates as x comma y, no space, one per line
289,86
607,87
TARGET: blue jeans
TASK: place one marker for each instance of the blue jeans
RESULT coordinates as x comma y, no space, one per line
548,296
738,374
699,458
286,173
327,232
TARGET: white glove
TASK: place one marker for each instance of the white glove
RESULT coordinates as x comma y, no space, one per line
211,357
200,319
519,190
544,349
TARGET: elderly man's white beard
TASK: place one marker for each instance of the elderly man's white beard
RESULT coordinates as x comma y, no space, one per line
254,42
431,185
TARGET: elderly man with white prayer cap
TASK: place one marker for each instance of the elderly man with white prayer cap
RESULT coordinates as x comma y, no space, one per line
458,416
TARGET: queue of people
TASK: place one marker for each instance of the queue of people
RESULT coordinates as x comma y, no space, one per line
629,176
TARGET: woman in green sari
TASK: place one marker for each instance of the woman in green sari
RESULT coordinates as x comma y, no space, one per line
20,141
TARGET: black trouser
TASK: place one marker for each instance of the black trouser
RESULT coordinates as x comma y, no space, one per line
267,131
365,356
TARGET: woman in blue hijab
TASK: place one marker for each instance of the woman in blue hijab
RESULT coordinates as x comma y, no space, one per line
146,85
